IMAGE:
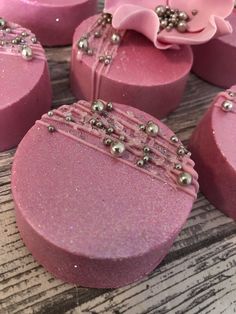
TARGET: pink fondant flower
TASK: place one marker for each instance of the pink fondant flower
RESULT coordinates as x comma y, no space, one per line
206,19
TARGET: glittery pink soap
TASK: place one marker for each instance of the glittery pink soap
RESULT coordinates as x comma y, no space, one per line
214,151
25,89
215,61
53,21
138,73
89,216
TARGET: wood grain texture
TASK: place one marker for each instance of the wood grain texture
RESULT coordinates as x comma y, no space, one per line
197,276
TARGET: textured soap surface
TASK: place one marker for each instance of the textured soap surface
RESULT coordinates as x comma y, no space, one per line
88,216
25,90
215,61
53,21
140,74
214,151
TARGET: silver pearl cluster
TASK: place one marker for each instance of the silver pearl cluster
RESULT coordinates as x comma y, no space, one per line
151,129
83,43
172,19
100,107
146,157
106,59
227,106
117,147
18,41
182,151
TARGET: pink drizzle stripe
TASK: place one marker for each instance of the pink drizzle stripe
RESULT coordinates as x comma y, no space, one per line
135,151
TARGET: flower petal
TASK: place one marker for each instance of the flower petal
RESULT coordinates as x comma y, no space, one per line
216,26
137,18
205,9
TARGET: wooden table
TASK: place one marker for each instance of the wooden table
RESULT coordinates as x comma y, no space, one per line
197,276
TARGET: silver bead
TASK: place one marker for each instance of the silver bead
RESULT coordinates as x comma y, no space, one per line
164,23
90,52
24,34
160,10
107,61
50,113
27,53
83,44
117,148
107,141
8,30
14,42
183,16
98,106
146,158
110,130
99,124
146,150
122,138
101,59
182,27
69,119
152,129
92,121
227,106
97,34
34,40
174,139
142,127
231,94
109,106
115,39
51,128
140,163
185,179
178,167
194,12
2,22
181,151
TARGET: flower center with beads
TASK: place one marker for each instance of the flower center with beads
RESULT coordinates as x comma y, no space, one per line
173,18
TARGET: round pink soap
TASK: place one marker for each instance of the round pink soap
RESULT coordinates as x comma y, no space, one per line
25,90
214,151
53,21
101,192
215,61
126,67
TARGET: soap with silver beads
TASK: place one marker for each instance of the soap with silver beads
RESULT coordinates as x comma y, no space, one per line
53,21
112,203
125,67
213,146
25,84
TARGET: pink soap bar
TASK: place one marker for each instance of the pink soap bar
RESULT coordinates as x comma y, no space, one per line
214,151
215,61
126,67
53,21
118,189
25,89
